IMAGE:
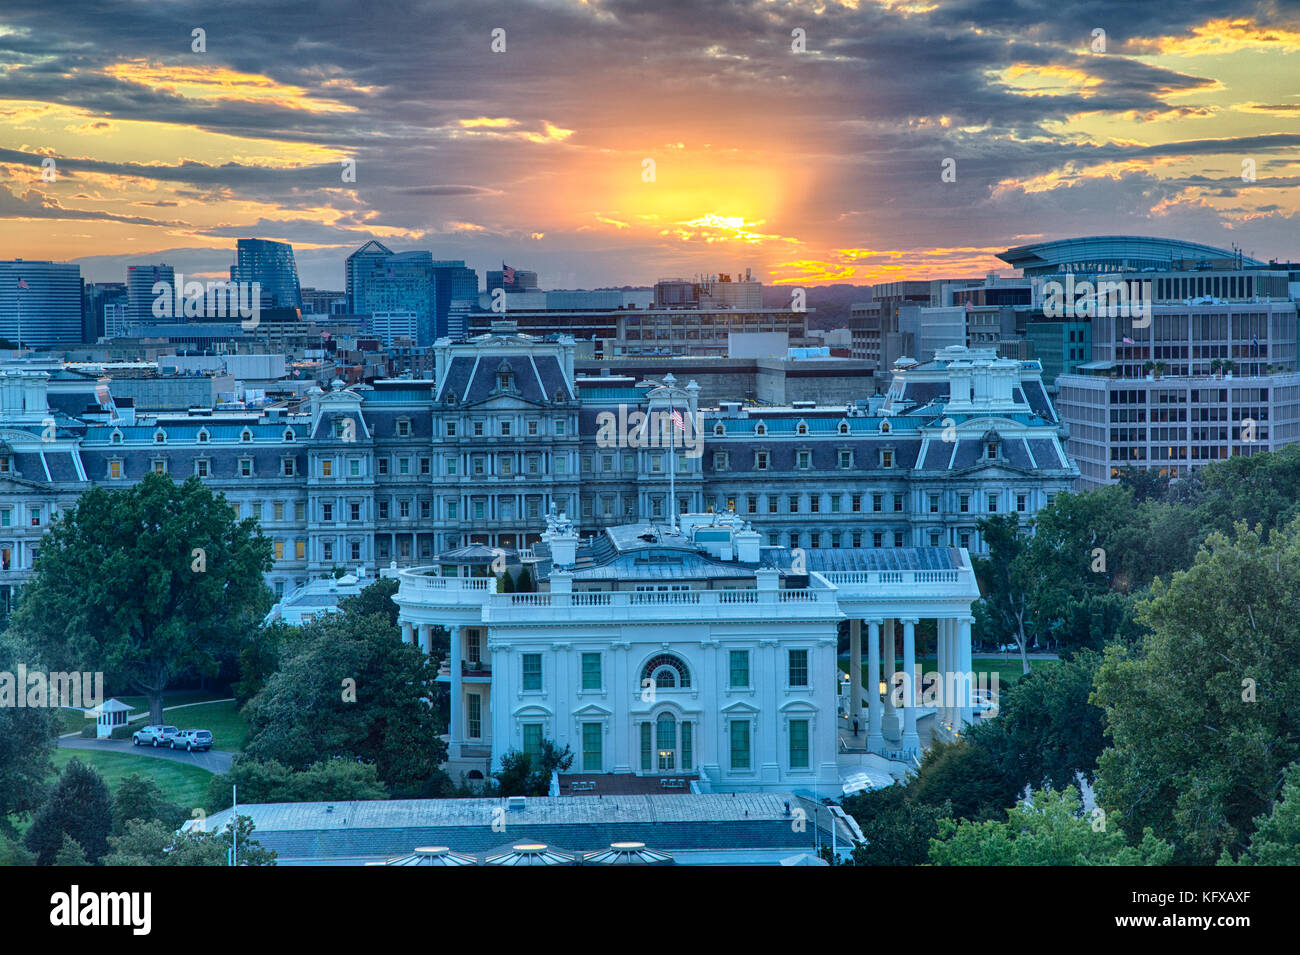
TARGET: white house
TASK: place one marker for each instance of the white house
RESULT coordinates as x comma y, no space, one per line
690,653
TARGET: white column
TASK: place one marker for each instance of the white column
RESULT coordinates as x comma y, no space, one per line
456,721
911,741
945,665
890,716
426,638
406,632
855,672
875,741
964,656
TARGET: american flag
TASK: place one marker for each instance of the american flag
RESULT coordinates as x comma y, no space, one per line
22,283
1128,341
507,274
677,420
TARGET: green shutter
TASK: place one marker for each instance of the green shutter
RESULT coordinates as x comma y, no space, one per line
646,747
591,745
798,744
740,744
687,747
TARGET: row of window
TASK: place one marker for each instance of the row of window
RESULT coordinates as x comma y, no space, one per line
667,671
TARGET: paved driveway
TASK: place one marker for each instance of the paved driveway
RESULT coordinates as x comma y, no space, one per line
214,760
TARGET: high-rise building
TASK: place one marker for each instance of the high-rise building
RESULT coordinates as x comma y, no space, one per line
381,280
359,265
140,282
104,309
456,288
48,310
271,264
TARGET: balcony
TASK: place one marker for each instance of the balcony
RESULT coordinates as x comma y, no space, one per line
476,668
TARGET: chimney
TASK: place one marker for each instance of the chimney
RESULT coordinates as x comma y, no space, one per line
747,544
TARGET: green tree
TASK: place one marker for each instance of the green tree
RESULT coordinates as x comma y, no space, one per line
1005,600
12,853
963,776
1047,727
1202,720
349,688
896,829
260,657
71,853
342,780
1277,835
152,843
518,776
139,797
374,599
26,744
79,806
145,583
524,582
1051,831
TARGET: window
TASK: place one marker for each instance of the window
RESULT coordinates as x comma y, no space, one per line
963,503
991,450
666,741
805,460
798,744
794,504
761,460
798,667
739,674
452,511
877,539
202,467
245,467
846,459
532,671
646,747
354,467
877,502
965,538
383,510
403,427
560,426
327,548
479,510
1021,502
815,503
751,505
993,503
286,467
480,465
354,511
159,466
771,504
667,672
300,511
533,742
898,502
474,722
403,465
591,755
160,437
934,503
856,503
898,538
478,429
404,509
886,459
300,550
326,468
279,550
505,429
656,463
739,744
532,428
451,429
450,464
326,511
591,671
561,465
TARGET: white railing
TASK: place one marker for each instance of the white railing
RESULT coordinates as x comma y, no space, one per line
880,578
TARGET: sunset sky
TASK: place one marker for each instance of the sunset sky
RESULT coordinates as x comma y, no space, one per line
810,167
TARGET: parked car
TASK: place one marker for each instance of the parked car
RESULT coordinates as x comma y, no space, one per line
984,704
153,735
1009,648
190,740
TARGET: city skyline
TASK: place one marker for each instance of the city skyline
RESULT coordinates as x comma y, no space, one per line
813,167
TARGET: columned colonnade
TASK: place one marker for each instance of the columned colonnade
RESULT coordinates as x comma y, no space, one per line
885,731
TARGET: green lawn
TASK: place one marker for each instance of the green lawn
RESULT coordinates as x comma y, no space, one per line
228,728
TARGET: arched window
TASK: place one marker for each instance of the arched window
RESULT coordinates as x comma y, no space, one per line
844,427
668,672
245,435
884,427
803,428
719,430
117,437
666,742
760,428
203,436
160,437
288,434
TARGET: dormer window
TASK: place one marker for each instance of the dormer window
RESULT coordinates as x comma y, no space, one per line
844,427
246,436
802,428
884,427
160,436
5,464
116,438
288,434
991,450
203,436
760,428
719,430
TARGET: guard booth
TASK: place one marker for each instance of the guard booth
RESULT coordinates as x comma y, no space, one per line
109,715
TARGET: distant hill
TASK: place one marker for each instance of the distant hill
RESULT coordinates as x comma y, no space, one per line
831,302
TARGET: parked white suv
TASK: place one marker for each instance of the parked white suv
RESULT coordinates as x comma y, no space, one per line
153,735
190,740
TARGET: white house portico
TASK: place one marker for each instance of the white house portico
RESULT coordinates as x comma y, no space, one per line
691,655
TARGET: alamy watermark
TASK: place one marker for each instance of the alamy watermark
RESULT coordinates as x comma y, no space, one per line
680,430
193,299
1086,299
82,690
